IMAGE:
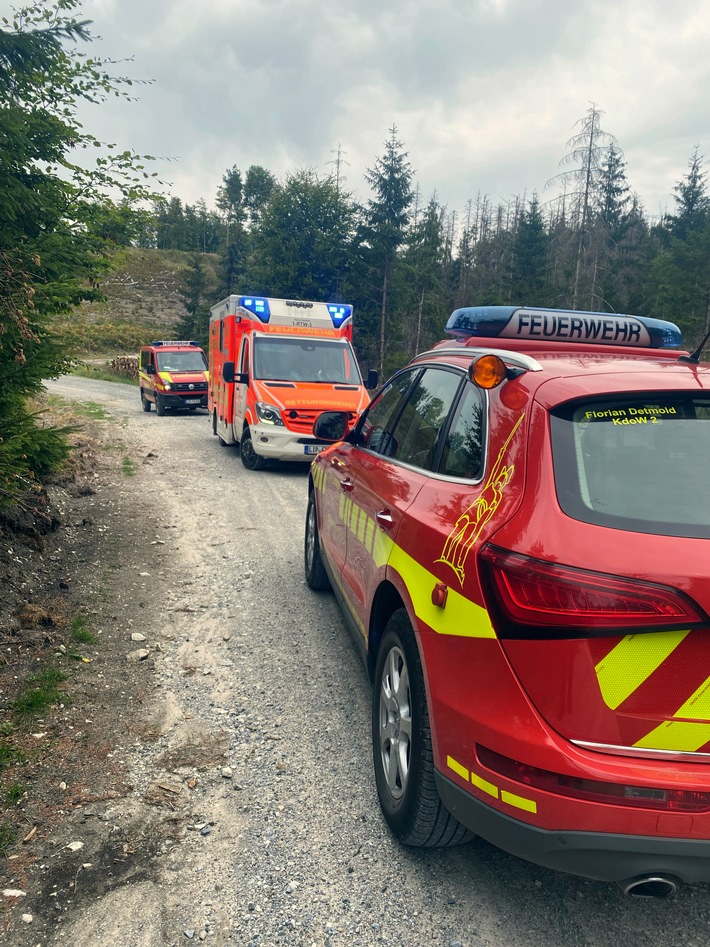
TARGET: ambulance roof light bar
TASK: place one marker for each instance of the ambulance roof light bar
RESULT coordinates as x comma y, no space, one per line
258,305
562,325
339,313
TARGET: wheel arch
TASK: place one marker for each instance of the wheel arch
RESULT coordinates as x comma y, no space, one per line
387,600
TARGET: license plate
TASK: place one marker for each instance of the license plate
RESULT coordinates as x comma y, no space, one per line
313,448
192,400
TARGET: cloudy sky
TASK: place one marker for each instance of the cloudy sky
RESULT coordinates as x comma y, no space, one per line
485,94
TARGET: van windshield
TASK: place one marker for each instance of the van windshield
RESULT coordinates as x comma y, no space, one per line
325,361
635,463
181,362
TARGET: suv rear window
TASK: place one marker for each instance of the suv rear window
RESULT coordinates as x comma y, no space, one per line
638,464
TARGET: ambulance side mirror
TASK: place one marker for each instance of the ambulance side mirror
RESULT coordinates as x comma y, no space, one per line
229,375
373,377
150,369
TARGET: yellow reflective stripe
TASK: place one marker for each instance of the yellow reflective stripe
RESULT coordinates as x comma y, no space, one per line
677,735
362,526
529,805
510,798
634,659
460,616
165,376
697,707
457,768
484,786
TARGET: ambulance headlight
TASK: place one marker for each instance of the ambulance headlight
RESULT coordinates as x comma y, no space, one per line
268,413
167,386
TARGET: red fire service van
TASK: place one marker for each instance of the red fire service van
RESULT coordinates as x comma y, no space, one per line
172,374
275,365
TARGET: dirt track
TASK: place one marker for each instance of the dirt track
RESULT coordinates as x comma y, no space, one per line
236,801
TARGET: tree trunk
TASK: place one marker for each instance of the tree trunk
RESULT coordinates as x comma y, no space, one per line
383,322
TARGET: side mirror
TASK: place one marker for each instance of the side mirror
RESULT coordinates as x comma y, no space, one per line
229,375
331,426
373,378
150,369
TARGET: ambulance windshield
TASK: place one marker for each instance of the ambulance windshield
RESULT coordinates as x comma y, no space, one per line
181,361
324,361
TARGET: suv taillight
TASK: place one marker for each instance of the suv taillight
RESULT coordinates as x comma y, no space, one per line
533,598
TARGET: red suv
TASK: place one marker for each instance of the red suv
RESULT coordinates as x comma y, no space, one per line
517,530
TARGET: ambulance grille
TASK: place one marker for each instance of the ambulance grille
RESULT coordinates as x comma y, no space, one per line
305,419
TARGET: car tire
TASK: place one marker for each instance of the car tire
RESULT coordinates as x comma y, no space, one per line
250,458
316,576
401,745
159,406
144,401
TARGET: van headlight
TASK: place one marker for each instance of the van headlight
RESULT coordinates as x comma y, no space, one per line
268,413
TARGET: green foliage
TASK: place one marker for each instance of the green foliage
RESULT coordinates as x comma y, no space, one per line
199,292
83,338
302,246
57,223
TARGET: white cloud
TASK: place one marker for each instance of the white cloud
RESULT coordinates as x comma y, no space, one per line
484,93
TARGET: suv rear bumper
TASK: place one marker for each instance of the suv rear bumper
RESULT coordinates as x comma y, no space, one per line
597,855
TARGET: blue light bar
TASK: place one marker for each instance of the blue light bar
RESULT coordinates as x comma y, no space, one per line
563,325
258,305
339,313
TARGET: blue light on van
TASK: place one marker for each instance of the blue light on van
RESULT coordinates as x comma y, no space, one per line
339,313
258,305
563,325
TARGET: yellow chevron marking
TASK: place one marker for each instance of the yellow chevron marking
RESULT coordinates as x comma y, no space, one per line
457,768
681,735
697,706
529,805
634,659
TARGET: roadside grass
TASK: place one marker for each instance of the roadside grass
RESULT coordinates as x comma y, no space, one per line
101,372
128,465
39,692
79,631
7,837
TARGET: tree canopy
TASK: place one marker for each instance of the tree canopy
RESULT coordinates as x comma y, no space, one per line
53,214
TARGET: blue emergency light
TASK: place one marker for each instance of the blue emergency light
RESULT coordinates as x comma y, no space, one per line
563,325
258,305
339,313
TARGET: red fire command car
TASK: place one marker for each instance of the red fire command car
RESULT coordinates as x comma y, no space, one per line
172,374
518,532
275,364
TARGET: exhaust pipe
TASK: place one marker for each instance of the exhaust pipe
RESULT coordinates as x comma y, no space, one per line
650,886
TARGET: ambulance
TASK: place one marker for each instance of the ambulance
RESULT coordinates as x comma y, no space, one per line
274,366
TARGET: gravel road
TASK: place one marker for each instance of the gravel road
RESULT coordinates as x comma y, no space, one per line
259,704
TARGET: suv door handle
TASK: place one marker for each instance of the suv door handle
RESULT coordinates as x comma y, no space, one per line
347,485
384,519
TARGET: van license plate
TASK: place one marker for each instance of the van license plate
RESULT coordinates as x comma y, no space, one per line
192,400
